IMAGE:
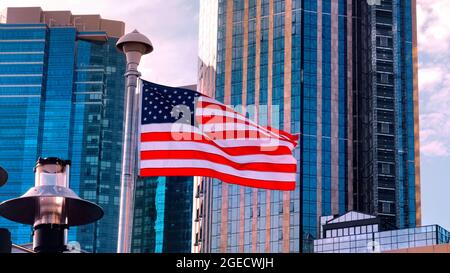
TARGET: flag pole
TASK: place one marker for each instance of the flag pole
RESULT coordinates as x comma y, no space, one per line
133,45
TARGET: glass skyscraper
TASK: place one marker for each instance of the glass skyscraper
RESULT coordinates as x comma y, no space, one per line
387,177
61,95
343,75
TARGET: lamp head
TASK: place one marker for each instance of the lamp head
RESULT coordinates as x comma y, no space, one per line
51,201
134,45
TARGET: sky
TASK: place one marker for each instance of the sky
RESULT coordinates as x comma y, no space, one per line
172,26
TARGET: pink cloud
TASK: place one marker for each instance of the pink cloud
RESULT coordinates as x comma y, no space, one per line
435,149
430,77
433,26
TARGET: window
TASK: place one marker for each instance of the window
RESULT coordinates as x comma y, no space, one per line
385,168
384,78
385,128
363,229
386,208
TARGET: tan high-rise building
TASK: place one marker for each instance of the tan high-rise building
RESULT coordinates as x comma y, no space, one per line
343,75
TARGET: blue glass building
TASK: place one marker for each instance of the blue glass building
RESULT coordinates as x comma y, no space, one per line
61,95
343,75
162,220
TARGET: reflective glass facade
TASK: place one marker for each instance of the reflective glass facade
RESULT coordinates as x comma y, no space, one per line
388,173
301,66
162,220
61,95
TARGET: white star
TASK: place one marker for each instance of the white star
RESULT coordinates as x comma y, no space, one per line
145,108
160,111
155,107
169,96
185,93
167,107
165,117
161,103
145,119
184,102
179,97
165,91
146,98
151,94
146,90
154,117
156,98
175,91
174,101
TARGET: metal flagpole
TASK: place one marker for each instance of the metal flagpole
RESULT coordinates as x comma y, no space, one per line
133,45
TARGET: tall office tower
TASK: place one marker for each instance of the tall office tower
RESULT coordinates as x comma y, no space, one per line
162,221
61,95
304,66
388,164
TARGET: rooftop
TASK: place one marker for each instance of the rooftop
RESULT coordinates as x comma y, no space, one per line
63,18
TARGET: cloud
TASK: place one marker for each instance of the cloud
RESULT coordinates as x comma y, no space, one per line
430,78
434,76
433,27
435,149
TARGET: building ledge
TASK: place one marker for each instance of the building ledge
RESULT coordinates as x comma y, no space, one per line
97,36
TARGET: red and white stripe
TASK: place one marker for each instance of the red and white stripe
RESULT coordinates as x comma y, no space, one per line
223,145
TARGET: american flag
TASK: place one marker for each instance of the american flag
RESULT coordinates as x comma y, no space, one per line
185,133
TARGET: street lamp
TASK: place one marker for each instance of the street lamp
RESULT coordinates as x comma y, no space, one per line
51,207
133,45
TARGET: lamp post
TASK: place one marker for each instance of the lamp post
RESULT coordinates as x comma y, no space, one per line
133,45
51,207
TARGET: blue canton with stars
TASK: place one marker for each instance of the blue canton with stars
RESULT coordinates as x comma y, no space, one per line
163,104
